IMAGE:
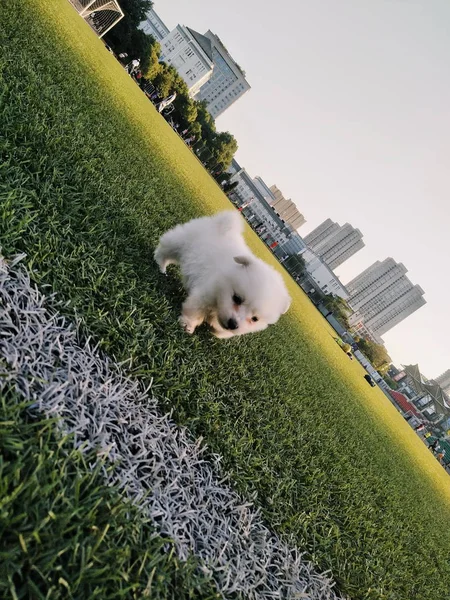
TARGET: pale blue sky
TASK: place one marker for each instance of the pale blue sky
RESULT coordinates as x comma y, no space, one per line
349,114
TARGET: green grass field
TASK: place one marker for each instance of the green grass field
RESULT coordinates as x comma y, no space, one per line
65,535
90,176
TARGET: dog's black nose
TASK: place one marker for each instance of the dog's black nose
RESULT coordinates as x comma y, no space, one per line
232,324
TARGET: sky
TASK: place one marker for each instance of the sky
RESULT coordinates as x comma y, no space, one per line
349,115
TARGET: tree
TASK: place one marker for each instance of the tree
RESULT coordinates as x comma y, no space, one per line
207,124
135,11
151,67
225,177
224,148
228,187
127,37
147,49
391,383
337,303
217,149
120,37
376,353
295,264
339,307
186,109
167,81
164,80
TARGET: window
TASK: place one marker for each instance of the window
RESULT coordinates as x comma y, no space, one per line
178,61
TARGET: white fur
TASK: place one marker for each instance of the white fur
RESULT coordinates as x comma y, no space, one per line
216,264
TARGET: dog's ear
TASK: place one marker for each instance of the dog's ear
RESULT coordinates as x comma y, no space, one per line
243,260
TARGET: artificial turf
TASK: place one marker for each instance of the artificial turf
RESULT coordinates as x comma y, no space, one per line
90,176
64,534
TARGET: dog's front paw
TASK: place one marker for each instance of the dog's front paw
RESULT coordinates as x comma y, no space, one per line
162,266
160,261
187,325
222,334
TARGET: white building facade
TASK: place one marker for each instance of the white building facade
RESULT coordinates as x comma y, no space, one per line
327,281
191,54
154,26
228,82
264,189
258,212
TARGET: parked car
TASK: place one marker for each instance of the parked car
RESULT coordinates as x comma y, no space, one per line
369,380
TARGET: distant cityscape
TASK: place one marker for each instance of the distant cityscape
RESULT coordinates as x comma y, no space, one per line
382,296
379,298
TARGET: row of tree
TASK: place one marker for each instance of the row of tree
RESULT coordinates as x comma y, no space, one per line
126,37
295,265
376,353
215,149
339,307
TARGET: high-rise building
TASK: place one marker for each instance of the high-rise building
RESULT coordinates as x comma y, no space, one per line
264,189
321,232
190,53
323,276
368,275
227,83
392,311
444,381
382,296
154,26
285,208
334,244
374,280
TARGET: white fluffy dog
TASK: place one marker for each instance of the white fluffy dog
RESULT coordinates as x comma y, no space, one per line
228,287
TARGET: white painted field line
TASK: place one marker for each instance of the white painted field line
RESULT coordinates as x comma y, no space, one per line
157,465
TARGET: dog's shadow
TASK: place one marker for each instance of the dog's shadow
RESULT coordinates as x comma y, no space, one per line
171,285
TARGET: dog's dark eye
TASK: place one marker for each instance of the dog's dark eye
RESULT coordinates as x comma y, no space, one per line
237,299
254,319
